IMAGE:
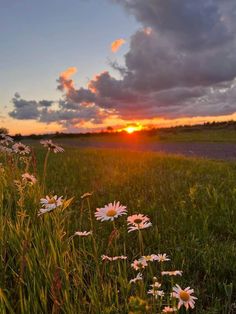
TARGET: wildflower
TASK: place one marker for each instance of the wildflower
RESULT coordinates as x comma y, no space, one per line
21,148
86,195
172,273
139,264
83,233
162,258
168,309
52,146
49,203
5,149
29,178
114,258
137,222
110,211
184,296
151,258
5,139
156,285
154,291
44,211
137,278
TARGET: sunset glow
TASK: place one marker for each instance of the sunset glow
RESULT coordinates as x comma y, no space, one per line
133,128
92,79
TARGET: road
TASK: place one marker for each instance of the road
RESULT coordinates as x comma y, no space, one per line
221,151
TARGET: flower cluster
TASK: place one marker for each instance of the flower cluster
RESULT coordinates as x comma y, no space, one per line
138,222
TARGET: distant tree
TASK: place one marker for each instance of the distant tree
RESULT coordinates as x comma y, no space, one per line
18,137
110,129
4,130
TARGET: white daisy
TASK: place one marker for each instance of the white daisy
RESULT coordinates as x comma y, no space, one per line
44,211
137,222
172,273
110,211
114,258
29,178
21,148
5,139
151,258
184,296
168,309
155,292
139,264
5,149
162,258
83,233
51,202
86,195
52,146
137,278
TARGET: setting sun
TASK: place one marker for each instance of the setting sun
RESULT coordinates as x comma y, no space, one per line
132,128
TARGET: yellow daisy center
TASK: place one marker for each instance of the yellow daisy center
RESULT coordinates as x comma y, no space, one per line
184,295
137,221
52,201
111,212
148,257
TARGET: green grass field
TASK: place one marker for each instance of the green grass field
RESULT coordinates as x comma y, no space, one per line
191,204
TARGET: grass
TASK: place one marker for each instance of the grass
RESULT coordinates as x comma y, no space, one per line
191,203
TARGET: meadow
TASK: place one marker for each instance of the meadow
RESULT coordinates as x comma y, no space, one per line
46,268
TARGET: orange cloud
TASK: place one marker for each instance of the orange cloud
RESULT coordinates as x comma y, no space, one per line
68,73
115,45
65,82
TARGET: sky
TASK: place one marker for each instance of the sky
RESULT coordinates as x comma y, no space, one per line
84,65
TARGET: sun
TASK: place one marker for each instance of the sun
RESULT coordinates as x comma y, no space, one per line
130,129
133,128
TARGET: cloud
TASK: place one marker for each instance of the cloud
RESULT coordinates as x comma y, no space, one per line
62,112
180,63
116,45
23,109
185,50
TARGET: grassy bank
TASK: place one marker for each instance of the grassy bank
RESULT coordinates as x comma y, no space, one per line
191,204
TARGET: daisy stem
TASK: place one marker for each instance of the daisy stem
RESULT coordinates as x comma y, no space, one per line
140,237
114,226
45,168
